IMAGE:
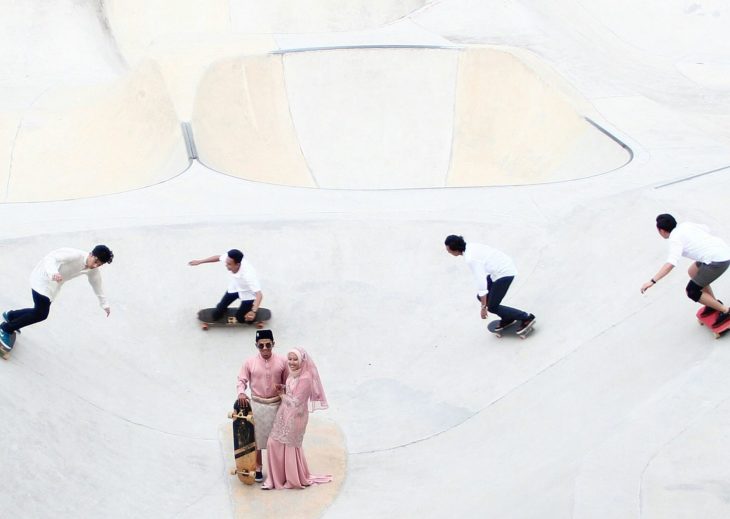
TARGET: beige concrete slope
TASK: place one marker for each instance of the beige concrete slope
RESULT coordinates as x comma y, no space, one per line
385,118
517,122
96,139
373,118
74,121
242,123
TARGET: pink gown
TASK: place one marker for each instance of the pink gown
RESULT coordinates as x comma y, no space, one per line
287,464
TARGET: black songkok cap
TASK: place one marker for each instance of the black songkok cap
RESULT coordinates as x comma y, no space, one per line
264,334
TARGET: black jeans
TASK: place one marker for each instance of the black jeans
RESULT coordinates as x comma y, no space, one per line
226,301
18,319
497,291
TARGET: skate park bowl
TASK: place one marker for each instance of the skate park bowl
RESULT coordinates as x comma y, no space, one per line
396,118
337,144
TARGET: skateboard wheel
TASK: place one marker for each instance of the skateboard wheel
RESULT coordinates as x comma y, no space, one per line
259,325
230,414
233,472
205,327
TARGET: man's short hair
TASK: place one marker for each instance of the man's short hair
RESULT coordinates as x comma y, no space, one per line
236,255
455,243
666,222
103,254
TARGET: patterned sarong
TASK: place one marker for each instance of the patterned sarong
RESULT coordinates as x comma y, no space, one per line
264,412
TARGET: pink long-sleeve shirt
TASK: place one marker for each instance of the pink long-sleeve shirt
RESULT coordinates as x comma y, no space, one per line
262,375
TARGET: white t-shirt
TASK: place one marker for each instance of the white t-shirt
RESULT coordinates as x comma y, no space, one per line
70,263
695,242
245,282
487,261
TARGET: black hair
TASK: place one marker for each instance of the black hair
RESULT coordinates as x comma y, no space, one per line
103,254
455,243
666,222
236,255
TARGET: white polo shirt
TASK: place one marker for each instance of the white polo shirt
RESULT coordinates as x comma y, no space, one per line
695,242
70,263
487,261
245,282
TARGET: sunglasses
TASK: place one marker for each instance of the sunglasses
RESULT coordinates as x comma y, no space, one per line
264,346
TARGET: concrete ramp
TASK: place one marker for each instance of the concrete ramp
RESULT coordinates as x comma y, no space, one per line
76,122
385,118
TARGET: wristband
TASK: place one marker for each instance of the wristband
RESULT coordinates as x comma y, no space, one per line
653,281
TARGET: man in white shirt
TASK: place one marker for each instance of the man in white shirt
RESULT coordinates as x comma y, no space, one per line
493,272
46,281
244,284
711,257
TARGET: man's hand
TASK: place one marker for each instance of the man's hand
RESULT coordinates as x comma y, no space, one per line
194,263
646,286
484,312
242,399
108,311
250,316
57,278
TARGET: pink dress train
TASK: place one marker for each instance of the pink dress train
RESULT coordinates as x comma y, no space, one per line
287,466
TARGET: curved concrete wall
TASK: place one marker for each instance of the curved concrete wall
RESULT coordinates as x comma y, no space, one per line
242,123
85,141
383,118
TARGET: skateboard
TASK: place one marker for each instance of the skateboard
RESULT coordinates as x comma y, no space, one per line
244,443
709,321
492,327
229,318
4,353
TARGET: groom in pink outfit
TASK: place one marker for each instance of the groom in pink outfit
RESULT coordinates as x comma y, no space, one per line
264,374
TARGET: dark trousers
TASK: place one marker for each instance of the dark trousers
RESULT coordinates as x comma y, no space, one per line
497,291
18,319
226,301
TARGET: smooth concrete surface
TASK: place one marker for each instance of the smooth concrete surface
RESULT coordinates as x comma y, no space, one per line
615,407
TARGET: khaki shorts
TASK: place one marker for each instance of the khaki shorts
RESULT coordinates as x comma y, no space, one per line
709,272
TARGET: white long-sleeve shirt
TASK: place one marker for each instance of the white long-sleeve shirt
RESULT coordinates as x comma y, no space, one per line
487,261
695,242
70,263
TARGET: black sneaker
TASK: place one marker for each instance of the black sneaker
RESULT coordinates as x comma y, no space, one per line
259,476
526,325
504,324
722,318
707,311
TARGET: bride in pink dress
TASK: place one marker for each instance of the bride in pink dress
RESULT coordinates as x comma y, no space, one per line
303,394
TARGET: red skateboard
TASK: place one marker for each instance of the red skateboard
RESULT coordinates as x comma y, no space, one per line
709,321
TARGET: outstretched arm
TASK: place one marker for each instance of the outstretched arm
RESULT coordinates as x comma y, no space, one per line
666,269
212,259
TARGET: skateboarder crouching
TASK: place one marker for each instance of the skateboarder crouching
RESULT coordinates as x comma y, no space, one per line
46,281
244,285
265,373
711,257
494,272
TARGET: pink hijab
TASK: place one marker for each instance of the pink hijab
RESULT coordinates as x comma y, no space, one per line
307,368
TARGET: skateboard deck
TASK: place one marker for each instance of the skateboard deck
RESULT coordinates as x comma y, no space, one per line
5,353
512,329
244,443
709,321
229,318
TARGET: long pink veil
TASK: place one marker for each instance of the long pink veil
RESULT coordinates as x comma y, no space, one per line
317,400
